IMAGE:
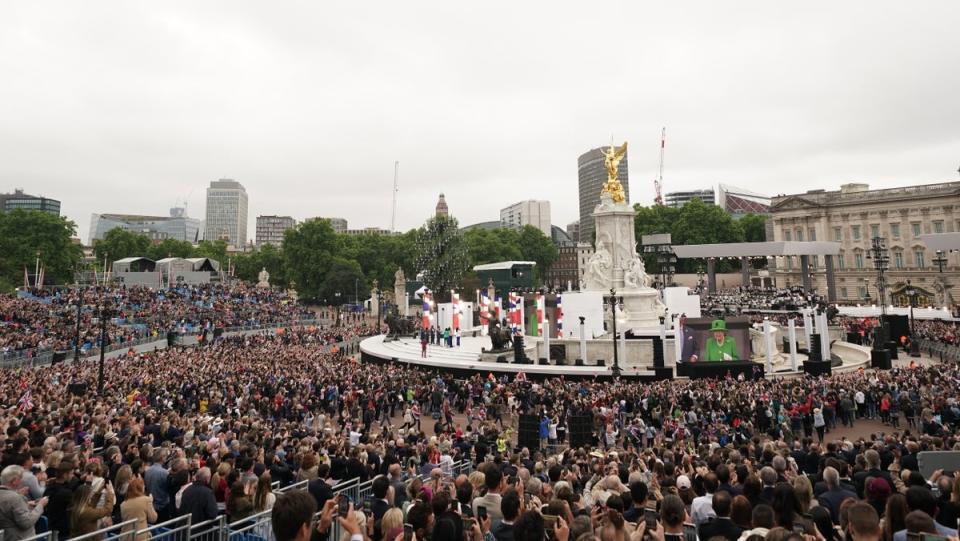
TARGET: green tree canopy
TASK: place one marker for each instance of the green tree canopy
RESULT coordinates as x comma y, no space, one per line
441,255
24,234
170,248
308,251
119,243
247,266
212,249
754,227
535,246
340,282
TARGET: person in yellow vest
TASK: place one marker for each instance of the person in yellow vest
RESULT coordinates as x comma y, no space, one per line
502,443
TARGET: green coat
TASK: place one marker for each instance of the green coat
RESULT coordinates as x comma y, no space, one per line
715,352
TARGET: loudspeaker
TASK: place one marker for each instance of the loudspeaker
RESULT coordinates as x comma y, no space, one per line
580,430
501,358
817,368
558,352
518,356
58,357
77,389
880,358
892,348
601,362
171,338
815,354
528,434
657,352
579,362
543,360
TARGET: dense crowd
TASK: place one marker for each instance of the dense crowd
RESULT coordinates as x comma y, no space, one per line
46,320
947,332
747,299
205,431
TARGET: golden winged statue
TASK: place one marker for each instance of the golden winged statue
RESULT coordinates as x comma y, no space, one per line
611,160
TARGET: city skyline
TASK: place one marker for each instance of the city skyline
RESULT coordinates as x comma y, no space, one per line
309,108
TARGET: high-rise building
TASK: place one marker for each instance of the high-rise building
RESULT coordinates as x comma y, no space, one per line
535,213
853,216
573,230
592,174
20,200
270,229
339,225
177,226
442,209
679,199
227,212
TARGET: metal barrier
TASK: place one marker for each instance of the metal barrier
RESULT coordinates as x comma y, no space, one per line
258,527
49,535
171,530
940,350
124,531
210,530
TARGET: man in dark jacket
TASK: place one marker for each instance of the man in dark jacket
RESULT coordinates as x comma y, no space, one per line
319,488
198,500
510,506
59,492
835,494
721,526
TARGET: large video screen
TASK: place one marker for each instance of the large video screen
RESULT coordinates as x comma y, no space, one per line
701,344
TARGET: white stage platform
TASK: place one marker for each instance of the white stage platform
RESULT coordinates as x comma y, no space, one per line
466,358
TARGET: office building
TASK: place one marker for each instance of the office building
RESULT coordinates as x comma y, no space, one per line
592,174
177,226
567,270
679,199
573,230
227,212
853,216
535,213
20,200
270,229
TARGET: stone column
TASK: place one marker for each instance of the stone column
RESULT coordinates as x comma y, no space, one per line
805,272
745,271
831,279
711,275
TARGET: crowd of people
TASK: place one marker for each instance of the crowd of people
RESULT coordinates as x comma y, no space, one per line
46,320
206,431
936,330
748,299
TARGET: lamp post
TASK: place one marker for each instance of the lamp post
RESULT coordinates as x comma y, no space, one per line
339,306
615,301
379,309
700,280
76,338
940,260
103,313
914,345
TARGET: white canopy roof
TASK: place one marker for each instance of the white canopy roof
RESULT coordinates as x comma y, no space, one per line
757,249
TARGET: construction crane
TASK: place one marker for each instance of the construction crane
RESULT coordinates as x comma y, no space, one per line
658,183
396,188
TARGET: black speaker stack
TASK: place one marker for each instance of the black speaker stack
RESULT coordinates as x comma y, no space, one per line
529,434
657,352
581,430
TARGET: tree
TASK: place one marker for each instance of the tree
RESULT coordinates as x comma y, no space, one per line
308,251
213,249
536,246
754,227
441,255
119,243
694,223
341,280
170,248
24,234
247,266
492,245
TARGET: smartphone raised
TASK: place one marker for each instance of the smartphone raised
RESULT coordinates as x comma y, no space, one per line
343,505
481,513
650,517
408,532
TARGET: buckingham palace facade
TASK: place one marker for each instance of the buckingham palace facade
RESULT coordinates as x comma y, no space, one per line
853,216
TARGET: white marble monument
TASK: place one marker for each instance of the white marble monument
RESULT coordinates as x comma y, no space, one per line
615,264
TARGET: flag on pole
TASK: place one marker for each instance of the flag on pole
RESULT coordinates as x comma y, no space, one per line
541,312
484,313
498,308
559,317
427,303
26,278
455,308
40,278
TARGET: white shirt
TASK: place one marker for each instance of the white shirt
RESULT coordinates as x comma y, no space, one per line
701,510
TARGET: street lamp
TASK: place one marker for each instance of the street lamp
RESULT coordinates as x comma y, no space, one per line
615,301
940,260
103,313
914,345
339,306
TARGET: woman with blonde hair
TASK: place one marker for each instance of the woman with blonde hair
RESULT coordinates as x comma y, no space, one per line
84,513
137,506
804,491
392,524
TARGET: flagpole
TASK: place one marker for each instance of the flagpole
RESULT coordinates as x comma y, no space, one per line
36,270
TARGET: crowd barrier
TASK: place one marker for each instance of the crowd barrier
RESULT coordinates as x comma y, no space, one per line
940,350
258,527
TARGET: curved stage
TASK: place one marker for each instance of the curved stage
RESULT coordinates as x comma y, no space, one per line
465,360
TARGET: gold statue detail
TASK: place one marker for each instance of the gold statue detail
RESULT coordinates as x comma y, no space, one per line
611,160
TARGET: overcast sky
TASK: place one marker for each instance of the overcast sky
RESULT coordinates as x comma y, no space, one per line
128,106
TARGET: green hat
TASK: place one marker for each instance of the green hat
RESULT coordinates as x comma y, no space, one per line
718,325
